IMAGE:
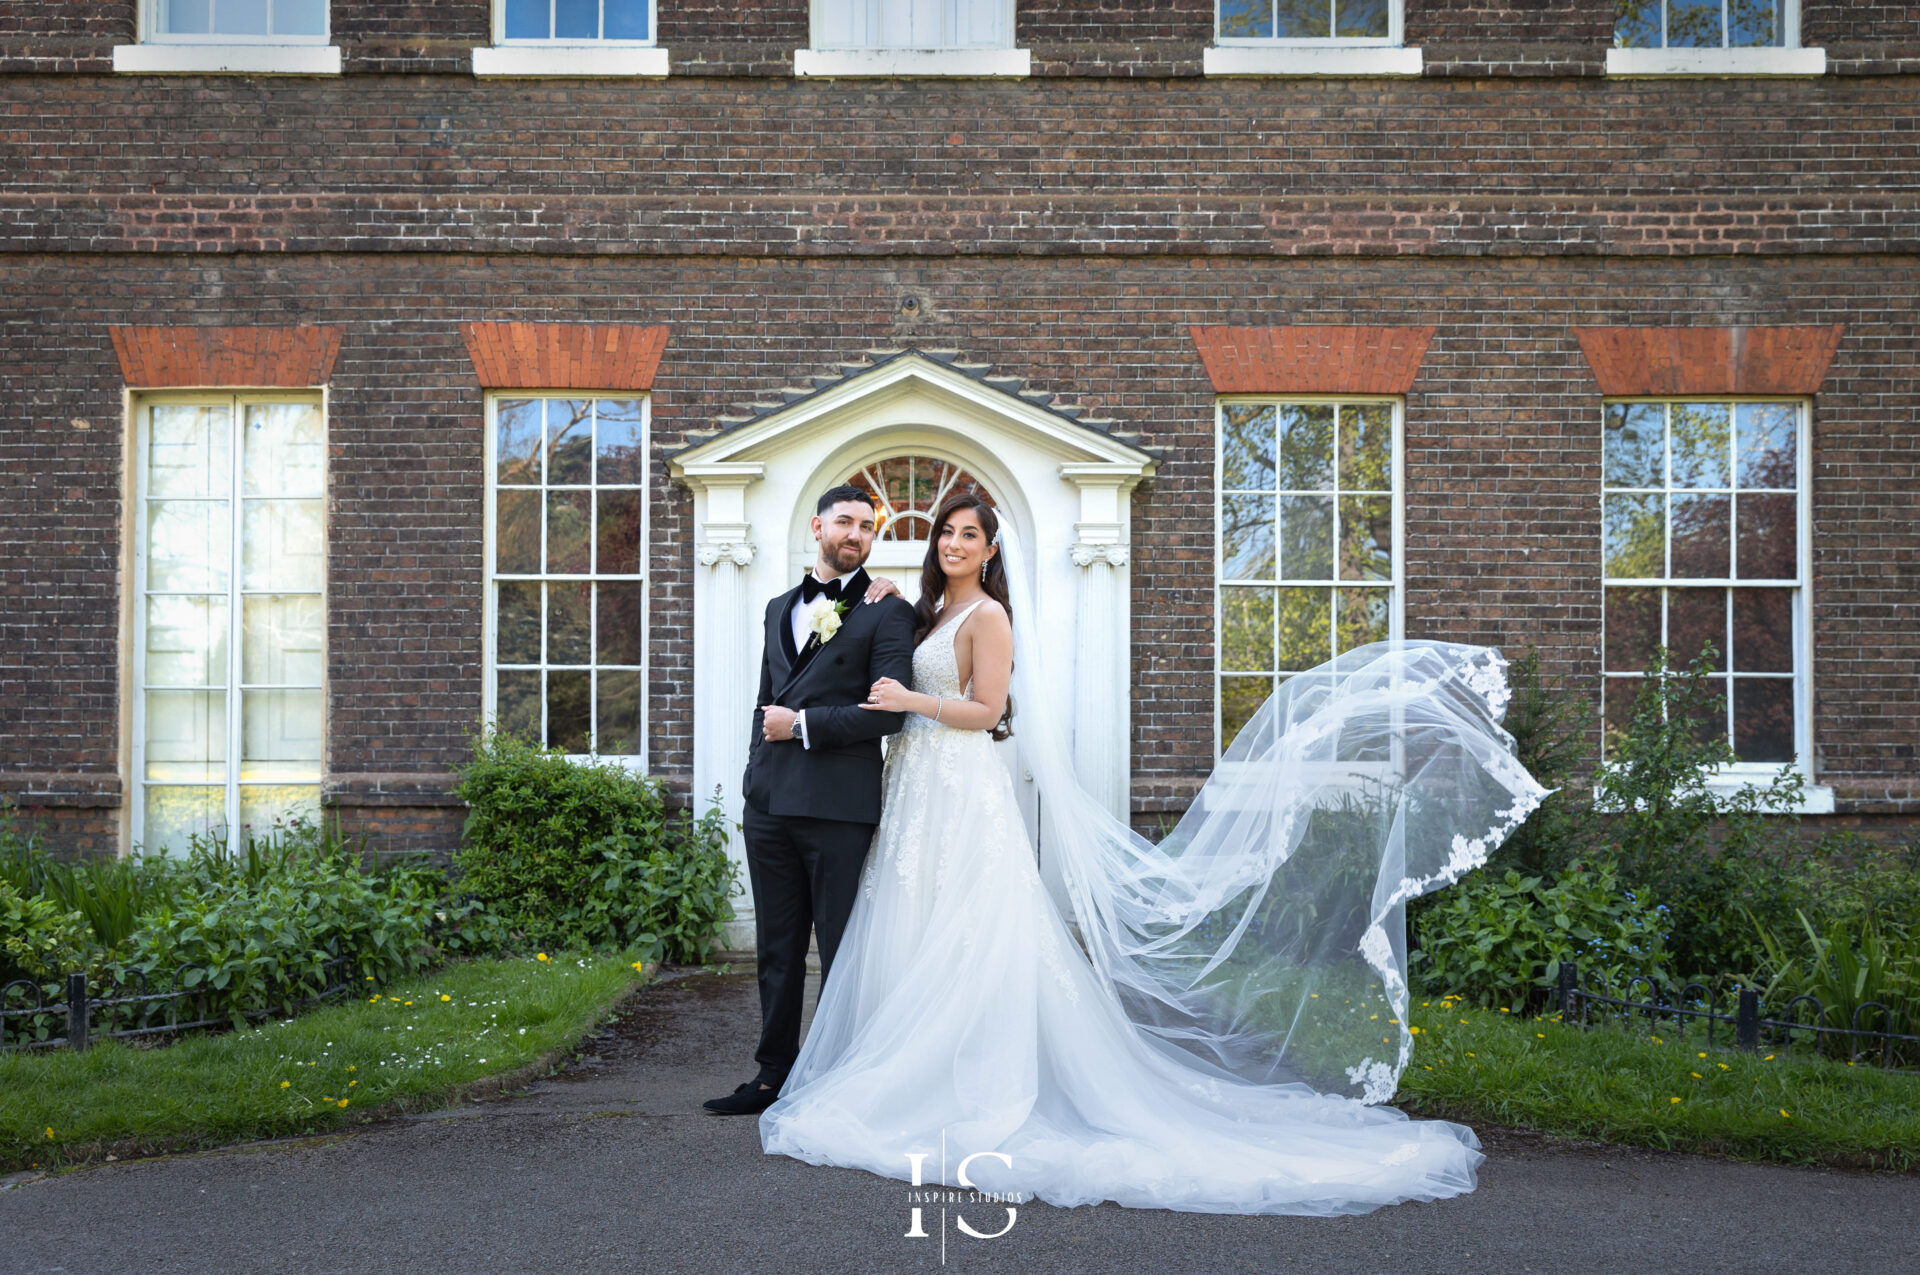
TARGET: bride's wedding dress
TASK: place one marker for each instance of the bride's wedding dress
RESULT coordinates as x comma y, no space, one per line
963,1016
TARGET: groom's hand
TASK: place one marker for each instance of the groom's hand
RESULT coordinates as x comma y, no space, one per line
777,723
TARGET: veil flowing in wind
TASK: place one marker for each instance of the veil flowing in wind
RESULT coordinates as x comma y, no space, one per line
1265,937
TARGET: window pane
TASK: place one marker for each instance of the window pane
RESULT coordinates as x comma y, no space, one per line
1633,537
617,714
1306,537
1246,19
619,532
240,17
187,641
1362,617
569,441
284,450
175,814
619,440
1633,445
262,805
1246,630
1766,445
187,451
1701,454
569,639
189,544
1762,631
283,547
280,736
517,702
527,20
1700,536
185,17
517,425
1306,448
625,20
281,640
1636,24
569,515
1632,620
576,19
1755,24
1617,712
1366,538
1693,24
1366,448
1365,18
1763,718
1769,537
1246,538
1240,699
1712,722
619,630
516,546
187,736
569,710
516,624
1246,448
1306,628
1696,617
1302,19
299,17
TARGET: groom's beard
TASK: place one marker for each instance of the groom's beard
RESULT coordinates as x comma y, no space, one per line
847,556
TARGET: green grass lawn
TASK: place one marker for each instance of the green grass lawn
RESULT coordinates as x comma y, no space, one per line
407,1044
1628,1086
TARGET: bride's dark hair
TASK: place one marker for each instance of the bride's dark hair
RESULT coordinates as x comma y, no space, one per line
933,580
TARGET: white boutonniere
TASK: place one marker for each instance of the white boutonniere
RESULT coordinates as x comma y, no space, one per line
824,621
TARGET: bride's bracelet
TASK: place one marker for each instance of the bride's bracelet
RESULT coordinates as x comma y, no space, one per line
939,703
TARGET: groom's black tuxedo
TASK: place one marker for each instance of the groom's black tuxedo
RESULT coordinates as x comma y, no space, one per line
838,776
810,811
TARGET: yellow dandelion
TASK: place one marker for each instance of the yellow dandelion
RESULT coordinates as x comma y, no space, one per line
1785,1114
539,956
1723,1067
1313,996
369,978
342,1102
1428,1068
393,998
1700,1055
1471,1054
351,1067
1768,1058
285,1083
352,1083
1372,1017
49,1131
408,1002
445,997
639,966
373,1000
1540,1035
1656,1040
1463,1022
1673,1100
1696,1075
1505,1010
1414,1030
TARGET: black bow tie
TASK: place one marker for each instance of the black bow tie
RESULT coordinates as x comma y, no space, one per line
811,588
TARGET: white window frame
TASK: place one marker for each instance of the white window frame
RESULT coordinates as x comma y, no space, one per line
141,405
1788,58
1330,55
1735,776
571,56
824,59
636,762
158,53
1396,608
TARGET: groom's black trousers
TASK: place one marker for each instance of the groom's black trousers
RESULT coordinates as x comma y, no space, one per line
805,874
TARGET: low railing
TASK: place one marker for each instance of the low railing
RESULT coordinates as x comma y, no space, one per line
1749,1029
126,1013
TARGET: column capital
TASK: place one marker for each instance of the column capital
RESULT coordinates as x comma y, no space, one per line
713,552
1111,552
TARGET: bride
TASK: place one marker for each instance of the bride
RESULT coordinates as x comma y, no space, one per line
1216,1029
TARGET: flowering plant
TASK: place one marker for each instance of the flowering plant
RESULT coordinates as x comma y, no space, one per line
824,620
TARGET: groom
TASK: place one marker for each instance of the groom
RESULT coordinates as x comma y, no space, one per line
812,783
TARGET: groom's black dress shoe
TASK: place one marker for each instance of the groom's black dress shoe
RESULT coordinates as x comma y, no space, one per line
747,1100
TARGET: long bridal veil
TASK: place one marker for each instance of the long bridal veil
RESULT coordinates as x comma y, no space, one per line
1265,936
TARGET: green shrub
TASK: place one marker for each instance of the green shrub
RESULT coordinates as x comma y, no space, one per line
1499,941
1850,967
40,939
567,853
1552,729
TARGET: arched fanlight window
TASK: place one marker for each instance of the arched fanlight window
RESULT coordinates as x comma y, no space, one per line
908,491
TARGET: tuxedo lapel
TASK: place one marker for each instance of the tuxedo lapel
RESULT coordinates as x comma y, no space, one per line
853,593
780,651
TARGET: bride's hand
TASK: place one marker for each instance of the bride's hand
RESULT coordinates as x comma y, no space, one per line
880,588
888,696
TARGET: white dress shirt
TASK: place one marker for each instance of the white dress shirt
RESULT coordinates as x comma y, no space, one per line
801,632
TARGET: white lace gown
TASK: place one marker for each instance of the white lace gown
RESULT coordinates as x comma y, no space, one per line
962,1017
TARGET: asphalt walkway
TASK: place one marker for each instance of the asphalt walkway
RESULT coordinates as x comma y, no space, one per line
612,1166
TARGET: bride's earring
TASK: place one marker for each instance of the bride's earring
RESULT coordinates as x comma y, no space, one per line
983,569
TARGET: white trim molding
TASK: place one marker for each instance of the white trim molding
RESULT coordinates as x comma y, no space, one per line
912,63
1716,62
1312,59
227,59
558,61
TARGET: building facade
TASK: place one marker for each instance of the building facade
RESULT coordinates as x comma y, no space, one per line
376,367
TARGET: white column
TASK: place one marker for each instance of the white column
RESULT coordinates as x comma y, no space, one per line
1102,722
725,643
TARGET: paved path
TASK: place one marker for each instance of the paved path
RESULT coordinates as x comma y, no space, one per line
611,1166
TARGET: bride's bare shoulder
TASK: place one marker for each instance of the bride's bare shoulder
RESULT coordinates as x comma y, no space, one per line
989,615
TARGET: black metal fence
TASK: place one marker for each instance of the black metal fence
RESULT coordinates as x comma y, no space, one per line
1750,1031
130,1009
